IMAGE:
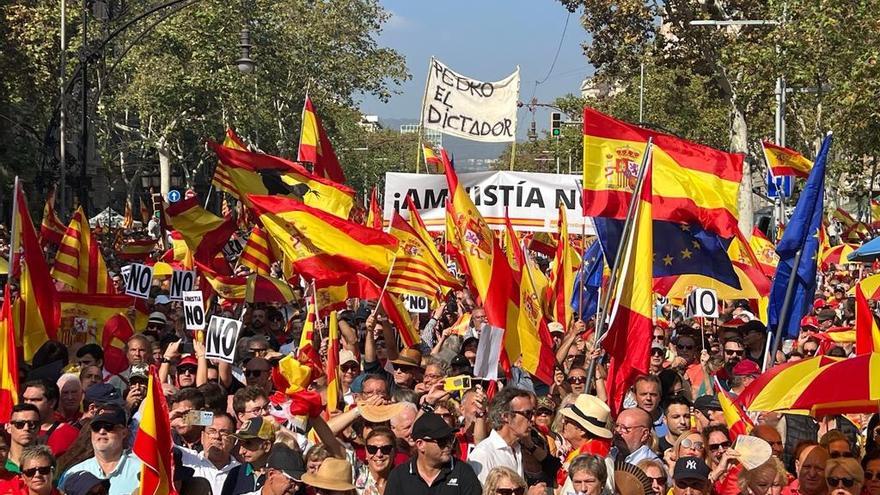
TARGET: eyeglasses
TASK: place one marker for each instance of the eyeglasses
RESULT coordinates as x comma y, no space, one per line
626,430
20,425
441,442
837,455
657,352
31,472
685,347
213,431
258,410
350,368
871,476
576,380
254,373
719,446
510,491
731,352
836,482
385,449
186,370
692,444
660,338
100,425
526,413
660,480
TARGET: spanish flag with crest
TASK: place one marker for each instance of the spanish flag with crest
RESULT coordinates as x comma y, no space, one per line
783,161
692,183
152,442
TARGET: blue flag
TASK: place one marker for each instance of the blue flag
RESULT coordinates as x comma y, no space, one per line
587,283
801,234
679,249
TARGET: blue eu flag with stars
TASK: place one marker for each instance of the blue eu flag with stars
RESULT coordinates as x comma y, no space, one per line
587,283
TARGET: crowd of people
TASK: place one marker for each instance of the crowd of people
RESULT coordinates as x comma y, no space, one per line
404,425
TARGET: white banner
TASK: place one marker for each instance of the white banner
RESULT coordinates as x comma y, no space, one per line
530,198
460,106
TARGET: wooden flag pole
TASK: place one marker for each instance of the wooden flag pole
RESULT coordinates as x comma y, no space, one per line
422,117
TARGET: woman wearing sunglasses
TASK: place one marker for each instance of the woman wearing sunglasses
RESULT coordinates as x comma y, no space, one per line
504,481
844,476
871,466
689,444
37,469
380,451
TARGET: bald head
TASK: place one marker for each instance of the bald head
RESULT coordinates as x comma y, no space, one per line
633,428
635,416
770,435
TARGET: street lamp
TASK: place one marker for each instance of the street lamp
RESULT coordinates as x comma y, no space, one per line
245,64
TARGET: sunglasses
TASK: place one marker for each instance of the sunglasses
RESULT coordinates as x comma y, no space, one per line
510,491
20,425
696,484
734,353
837,455
100,425
544,412
660,480
30,473
351,368
869,476
657,352
659,337
186,370
836,482
441,442
402,368
719,446
386,449
527,413
254,373
576,380
685,347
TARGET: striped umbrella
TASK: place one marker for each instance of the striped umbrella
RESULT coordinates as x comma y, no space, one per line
849,386
870,287
754,284
836,255
765,392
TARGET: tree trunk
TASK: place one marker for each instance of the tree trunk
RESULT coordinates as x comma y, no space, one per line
164,150
739,144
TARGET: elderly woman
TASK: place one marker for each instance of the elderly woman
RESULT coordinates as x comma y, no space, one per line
588,475
844,476
656,471
37,469
71,396
871,466
767,479
504,481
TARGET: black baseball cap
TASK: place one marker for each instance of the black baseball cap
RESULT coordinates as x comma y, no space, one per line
81,482
288,461
706,403
690,468
103,393
115,416
430,426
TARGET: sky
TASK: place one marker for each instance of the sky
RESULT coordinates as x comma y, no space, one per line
485,40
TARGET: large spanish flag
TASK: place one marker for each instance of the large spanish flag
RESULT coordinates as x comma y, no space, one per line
152,442
322,246
257,254
261,174
52,228
431,159
765,252
315,147
264,289
784,161
205,233
8,359
738,423
79,262
692,183
107,315
416,270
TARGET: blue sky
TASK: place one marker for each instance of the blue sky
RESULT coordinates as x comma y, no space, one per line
483,39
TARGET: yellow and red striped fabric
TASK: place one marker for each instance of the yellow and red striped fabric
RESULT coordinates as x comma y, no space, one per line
784,161
366,288
836,255
867,332
565,264
128,217
263,289
221,179
431,158
257,255
736,420
315,147
416,271
765,252
374,214
332,364
136,249
36,310
152,442
100,312
628,340
692,183
52,228
231,288
8,359
205,233
79,262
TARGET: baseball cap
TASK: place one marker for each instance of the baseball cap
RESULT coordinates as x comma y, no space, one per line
810,321
103,393
430,426
690,468
157,318
188,360
256,428
81,482
286,460
555,327
346,356
706,403
114,416
746,367
162,299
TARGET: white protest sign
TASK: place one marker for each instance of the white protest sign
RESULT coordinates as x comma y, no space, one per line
467,108
702,303
125,271
181,281
489,352
221,338
140,279
193,310
233,248
416,304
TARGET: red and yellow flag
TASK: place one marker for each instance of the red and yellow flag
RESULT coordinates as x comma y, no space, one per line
257,254
784,161
562,276
322,246
867,332
152,442
737,421
765,252
416,271
451,247
205,233
128,217
692,183
8,359
230,288
315,147
431,159
628,340
36,310
52,228
221,180
332,365
366,288
79,262
136,249
146,212
93,318
374,215
263,289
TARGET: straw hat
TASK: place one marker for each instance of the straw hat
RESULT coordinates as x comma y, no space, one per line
409,357
591,414
334,474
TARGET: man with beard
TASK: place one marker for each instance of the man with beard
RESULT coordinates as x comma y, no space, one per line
215,462
111,460
677,415
257,325
632,436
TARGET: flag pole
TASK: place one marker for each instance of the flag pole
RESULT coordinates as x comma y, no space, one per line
422,117
786,304
12,227
601,326
387,279
583,262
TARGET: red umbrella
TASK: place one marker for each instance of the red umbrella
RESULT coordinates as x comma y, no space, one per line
779,379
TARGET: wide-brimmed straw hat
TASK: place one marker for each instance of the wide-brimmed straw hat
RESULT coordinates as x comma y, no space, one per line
591,414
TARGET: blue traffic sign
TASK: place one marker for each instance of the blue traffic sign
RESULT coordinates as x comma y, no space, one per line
779,185
173,196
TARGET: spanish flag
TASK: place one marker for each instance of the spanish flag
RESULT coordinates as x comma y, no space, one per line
261,174
51,229
765,251
37,311
205,233
79,262
179,251
451,246
152,442
562,277
315,147
431,159
8,359
416,270
867,332
136,249
692,183
332,365
221,180
783,161
257,254
230,288
737,421
263,289
322,246
374,215
628,340
107,315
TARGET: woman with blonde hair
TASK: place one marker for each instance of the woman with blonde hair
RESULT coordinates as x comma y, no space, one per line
767,479
689,444
504,481
656,471
844,476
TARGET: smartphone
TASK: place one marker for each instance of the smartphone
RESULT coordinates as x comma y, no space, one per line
454,383
199,418
187,347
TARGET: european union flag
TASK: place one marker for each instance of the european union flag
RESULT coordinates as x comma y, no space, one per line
679,249
801,234
587,282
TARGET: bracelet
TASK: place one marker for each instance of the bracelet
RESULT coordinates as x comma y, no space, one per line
428,408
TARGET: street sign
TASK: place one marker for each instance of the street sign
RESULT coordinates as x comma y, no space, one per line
173,196
777,185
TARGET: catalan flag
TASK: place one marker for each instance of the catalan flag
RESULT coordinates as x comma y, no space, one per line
784,161
628,339
261,174
418,225
315,147
416,270
37,311
692,183
51,229
257,254
562,276
765,251
205,233
366,288
8,359
738,423
867,332
431,159
263,289
128,217
79,262
332,364
374,215
152,442
221,180
322,246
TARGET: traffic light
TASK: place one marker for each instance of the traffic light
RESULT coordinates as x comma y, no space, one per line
556,124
